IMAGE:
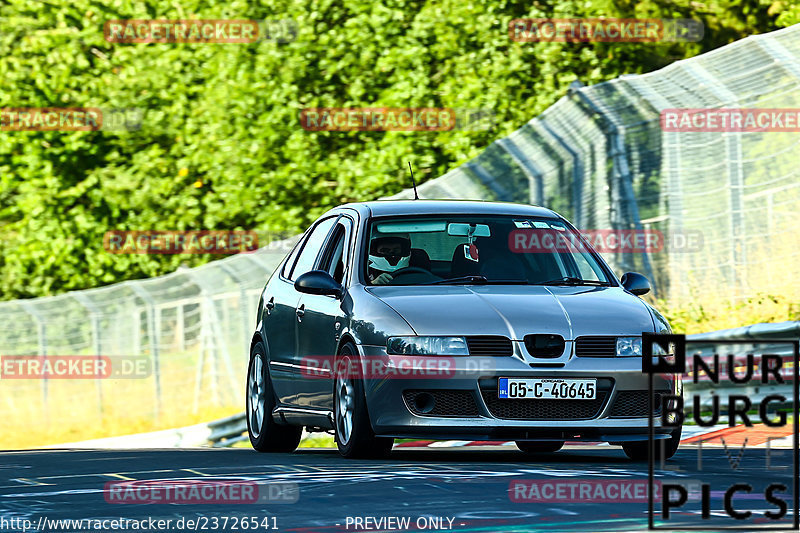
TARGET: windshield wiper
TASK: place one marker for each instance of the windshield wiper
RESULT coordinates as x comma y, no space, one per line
460,280
571,280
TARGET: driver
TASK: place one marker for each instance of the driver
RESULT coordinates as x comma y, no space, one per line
387,254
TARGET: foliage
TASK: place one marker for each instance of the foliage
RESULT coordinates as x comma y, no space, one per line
220,145
704,315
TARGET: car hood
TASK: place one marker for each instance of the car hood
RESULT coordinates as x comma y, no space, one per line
516,310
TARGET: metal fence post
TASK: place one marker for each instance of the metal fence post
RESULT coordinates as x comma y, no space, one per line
733,160
242,304
42,340
673,187
738,250
528,167
94,316
152,337
621,176
577,173
213,332
488,180
180,327
137,329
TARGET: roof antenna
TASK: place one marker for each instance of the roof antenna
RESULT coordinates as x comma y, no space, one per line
413,183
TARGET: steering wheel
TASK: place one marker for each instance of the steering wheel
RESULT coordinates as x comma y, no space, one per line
411,270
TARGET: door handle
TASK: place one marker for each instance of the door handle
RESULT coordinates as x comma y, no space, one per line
270,305
300,311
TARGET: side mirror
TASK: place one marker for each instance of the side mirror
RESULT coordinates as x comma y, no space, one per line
318,282
635,283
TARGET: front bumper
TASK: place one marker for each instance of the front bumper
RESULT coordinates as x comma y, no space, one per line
468,407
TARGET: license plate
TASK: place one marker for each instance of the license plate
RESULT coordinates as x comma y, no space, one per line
547,388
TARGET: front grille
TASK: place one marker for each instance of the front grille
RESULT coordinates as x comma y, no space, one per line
634,403
544,345
446,403
544,409
489,345
596,346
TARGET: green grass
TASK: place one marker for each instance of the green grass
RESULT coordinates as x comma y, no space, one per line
318,440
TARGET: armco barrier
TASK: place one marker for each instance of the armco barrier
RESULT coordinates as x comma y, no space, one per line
765,336
759,332
228,431
219,433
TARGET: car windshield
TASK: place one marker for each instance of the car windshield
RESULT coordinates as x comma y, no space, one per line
462,249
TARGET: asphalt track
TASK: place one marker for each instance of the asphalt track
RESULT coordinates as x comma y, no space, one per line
468,485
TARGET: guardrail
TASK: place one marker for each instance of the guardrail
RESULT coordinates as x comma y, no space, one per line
228,431
765,336
219,433
763,331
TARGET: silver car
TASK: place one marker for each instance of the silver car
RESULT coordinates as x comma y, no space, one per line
452,320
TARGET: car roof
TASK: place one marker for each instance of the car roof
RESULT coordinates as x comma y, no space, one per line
451,207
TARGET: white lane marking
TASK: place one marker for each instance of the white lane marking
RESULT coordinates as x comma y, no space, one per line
556,510
52,493
26,481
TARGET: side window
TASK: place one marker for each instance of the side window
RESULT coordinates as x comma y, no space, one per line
287,266
587,270
334,258
308,255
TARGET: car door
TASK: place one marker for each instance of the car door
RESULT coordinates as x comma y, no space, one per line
322,321
280,312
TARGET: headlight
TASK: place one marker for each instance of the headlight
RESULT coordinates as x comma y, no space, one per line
427,346
629,346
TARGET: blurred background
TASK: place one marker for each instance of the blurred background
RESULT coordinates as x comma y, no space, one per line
209,138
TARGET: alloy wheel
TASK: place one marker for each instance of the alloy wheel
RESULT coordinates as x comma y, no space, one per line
346,404
256,396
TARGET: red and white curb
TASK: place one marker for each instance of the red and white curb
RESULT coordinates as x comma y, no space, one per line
756,436
474,443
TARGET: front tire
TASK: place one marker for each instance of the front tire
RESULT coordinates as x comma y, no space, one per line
539,447
637,451
265,434
355,438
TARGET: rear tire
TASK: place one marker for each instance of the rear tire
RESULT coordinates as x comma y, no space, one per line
539,447
265,434
355,438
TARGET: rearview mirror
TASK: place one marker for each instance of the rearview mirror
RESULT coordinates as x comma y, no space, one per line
635,283
318,282
463,230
